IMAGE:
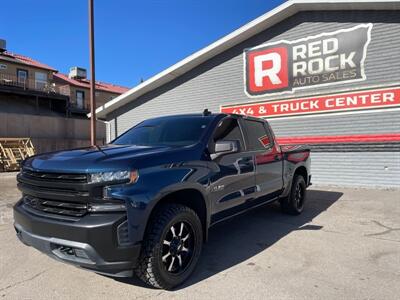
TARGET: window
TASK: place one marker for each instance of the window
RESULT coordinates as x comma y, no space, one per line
80,99
22,77
229,130
257,135
40,80
171,131
270,133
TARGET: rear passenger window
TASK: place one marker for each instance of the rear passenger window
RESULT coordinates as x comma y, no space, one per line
258,139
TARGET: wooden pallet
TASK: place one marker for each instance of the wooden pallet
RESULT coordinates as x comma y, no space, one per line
13,151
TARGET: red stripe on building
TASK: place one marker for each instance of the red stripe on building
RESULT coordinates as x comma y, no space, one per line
361,138
369,99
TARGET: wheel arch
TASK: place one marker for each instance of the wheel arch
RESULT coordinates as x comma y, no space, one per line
302,171
299,170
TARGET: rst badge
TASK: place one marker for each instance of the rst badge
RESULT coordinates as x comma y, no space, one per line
324,59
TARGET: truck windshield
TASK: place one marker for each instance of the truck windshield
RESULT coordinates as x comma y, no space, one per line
178,131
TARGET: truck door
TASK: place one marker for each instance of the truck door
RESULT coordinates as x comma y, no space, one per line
233,180
267,156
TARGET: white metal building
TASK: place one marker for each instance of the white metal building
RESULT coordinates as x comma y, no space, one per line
324,73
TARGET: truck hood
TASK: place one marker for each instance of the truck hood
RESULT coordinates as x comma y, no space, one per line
104,158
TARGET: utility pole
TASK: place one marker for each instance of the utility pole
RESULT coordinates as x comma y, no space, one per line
92,76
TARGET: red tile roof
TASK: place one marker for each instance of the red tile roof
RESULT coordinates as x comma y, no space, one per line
18,58
108,87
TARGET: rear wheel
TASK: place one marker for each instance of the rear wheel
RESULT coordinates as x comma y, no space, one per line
171,248
294,203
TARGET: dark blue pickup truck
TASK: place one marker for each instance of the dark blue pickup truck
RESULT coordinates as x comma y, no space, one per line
144,203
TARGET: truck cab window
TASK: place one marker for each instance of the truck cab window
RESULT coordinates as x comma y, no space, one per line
229,130
258,138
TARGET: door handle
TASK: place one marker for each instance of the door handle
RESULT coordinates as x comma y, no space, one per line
245,164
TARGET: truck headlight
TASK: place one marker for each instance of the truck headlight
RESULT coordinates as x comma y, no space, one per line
128,176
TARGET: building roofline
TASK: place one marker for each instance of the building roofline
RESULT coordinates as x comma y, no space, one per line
85,83
25,60
274,16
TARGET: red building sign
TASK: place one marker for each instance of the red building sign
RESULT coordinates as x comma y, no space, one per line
324,59
369,99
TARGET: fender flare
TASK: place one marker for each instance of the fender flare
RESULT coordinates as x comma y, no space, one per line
180,186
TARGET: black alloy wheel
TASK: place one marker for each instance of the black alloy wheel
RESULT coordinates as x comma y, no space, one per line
178,246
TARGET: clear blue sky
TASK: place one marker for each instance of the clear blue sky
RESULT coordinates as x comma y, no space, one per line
134,39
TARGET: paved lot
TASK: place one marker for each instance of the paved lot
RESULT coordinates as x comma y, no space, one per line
346,245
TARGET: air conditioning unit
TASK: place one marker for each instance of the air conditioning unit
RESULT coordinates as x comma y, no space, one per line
2,45
77,72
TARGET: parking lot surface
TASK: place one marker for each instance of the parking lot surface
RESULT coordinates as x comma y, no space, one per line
346,245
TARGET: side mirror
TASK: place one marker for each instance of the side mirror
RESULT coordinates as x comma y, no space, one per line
222,147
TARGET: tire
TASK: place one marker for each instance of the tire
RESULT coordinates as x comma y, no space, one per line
164,265
294,203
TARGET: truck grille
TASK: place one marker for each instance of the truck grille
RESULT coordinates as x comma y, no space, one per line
58,186
55,177
59,195
56,207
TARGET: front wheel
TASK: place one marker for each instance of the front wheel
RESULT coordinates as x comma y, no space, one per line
171,247
294,203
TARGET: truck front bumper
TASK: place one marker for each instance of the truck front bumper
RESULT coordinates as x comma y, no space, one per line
90,242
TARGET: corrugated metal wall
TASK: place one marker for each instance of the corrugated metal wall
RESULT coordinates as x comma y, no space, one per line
365,169
220,81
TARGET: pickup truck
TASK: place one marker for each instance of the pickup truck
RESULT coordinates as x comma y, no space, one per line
144,203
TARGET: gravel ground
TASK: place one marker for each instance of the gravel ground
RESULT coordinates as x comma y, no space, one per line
346,245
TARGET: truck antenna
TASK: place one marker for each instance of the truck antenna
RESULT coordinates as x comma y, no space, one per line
206,112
